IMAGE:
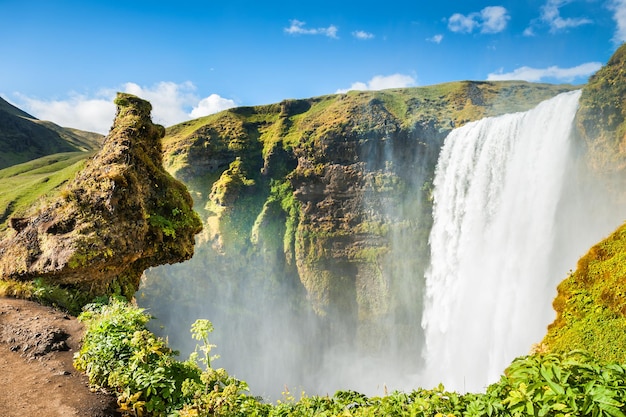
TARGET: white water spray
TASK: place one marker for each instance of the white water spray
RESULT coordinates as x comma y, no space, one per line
491,280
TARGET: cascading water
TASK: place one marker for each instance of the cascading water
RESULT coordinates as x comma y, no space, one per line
491,280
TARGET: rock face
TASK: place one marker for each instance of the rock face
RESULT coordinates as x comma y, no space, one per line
324,201
120,215
601,122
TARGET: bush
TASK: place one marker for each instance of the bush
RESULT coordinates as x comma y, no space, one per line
120,354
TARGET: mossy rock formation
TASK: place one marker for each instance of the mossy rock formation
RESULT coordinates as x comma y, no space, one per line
121,214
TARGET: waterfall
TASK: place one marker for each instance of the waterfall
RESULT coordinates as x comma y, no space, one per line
491,279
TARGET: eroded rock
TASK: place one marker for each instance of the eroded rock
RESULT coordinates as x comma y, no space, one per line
121,214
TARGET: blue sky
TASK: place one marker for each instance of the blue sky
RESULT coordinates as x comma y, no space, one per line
64,60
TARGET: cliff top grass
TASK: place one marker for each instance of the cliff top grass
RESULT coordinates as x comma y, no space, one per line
297,122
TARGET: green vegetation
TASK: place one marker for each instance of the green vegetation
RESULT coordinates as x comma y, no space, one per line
591,303
46,293
21,186
119,354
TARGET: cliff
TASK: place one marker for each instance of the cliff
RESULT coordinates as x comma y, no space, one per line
119,215
601,118
325,201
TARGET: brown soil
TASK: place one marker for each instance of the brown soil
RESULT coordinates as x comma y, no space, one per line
37,377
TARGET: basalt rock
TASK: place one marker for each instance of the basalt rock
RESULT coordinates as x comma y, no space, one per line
121,214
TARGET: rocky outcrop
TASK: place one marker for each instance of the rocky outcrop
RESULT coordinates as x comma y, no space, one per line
121,214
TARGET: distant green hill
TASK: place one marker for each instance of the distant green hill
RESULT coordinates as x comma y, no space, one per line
23,184
24,138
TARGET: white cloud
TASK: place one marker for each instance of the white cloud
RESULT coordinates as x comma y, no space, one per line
381,82
78,111
211,104
537,74
172,103
435,39
297,28
463,24
168,100
360,34
618,7
551,15
492,19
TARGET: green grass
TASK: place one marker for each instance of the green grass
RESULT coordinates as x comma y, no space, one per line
21,186
591,303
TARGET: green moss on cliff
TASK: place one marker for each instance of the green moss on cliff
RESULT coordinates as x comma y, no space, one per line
591,303
601,118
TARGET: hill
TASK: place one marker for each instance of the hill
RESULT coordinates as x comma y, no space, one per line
23,137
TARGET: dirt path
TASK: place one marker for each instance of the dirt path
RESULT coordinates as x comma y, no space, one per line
37,378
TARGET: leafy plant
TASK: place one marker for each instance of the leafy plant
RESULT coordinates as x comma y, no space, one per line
200,330
119,353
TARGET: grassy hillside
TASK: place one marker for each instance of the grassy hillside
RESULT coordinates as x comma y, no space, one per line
21,186
23,137
591,303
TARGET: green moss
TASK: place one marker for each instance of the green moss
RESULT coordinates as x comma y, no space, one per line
601,117
231,183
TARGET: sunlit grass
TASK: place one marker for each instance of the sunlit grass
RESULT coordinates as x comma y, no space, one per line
22,185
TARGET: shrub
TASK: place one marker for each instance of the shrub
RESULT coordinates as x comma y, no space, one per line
120,354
